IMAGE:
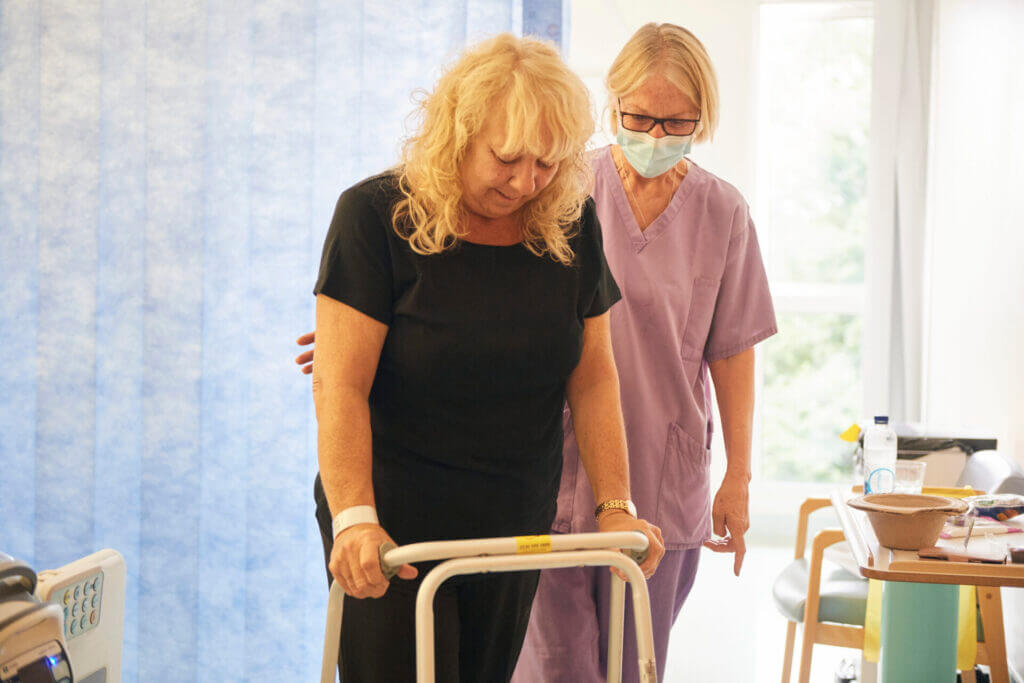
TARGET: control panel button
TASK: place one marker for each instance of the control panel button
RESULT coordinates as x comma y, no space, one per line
74,626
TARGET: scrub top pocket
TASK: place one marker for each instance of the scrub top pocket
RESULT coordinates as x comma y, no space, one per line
683,511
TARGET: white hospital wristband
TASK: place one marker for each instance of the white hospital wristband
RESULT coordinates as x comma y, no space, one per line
357,514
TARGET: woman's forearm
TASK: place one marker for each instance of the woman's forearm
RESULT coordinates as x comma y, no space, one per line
344,447
348,349
734,387
593,393
597,422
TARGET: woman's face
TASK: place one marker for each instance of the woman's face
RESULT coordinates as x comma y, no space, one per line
659,98
497,186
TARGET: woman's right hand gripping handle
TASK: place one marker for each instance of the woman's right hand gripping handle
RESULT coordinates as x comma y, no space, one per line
356,561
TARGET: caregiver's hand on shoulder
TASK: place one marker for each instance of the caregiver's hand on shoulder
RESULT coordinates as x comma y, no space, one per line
620,520
305,359
731,518
355,562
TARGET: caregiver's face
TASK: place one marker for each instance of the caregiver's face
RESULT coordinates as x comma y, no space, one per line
659,98
497,185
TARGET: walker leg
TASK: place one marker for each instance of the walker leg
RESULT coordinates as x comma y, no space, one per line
332,633
616,619
644,630
425,625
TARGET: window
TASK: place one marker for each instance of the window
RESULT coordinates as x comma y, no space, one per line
814,112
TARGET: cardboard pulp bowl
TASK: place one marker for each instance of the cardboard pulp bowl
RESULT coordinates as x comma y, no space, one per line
905,521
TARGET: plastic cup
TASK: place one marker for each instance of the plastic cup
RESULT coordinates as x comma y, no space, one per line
909,476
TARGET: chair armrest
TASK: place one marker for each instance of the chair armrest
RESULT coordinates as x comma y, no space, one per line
822,540
806,508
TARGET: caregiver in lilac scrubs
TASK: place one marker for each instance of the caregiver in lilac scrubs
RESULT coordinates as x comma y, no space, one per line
682,246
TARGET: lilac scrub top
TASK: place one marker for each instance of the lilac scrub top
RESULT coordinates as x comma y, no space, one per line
694,290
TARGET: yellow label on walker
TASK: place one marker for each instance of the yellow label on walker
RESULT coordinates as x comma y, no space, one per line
533,544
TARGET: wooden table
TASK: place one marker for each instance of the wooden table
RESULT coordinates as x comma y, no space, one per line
920,597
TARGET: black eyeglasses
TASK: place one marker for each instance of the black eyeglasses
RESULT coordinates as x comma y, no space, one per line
639,123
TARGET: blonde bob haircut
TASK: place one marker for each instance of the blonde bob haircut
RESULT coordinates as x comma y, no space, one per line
675,53
548,114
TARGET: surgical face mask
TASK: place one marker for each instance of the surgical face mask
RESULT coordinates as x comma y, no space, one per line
652,156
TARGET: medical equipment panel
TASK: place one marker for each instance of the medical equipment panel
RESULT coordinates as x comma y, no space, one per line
90,594
31,646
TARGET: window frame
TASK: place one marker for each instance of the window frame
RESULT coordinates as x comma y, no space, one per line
791,297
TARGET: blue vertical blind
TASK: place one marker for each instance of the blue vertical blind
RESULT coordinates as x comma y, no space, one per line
168,170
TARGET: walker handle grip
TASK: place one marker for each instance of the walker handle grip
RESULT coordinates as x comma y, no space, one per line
389,571
638,556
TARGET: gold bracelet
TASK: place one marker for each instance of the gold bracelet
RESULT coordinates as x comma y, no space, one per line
616,504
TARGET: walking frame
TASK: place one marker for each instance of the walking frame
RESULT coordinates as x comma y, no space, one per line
511,554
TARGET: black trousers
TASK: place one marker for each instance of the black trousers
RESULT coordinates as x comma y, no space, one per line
479,624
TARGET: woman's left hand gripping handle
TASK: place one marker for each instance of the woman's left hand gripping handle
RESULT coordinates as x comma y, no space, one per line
357,561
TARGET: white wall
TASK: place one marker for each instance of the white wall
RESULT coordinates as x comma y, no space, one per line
974,365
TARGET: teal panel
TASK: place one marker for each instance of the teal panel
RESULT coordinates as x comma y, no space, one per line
919,633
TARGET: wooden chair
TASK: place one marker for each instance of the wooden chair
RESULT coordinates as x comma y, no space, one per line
833,608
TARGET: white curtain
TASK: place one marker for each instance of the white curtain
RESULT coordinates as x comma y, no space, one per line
167,172
897,209
975,366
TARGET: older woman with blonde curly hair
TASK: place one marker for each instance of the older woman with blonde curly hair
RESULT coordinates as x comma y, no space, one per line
462,298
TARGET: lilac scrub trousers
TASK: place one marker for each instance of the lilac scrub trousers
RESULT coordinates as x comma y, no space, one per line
694,291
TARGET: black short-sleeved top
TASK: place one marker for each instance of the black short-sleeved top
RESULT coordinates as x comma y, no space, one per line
466,405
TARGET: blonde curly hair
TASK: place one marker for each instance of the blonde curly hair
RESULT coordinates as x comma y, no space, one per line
547,113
